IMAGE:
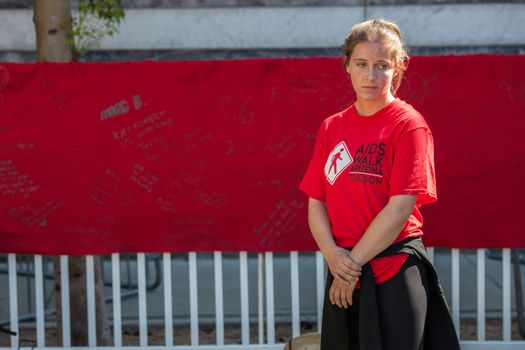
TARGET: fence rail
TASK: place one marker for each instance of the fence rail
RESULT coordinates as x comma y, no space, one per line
264,317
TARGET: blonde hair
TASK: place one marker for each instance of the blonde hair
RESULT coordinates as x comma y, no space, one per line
383,32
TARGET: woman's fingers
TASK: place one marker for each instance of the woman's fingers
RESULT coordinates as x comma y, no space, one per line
344,272
340,294
344,301
344,277
348,296
337,296
350,264
331,293
349,277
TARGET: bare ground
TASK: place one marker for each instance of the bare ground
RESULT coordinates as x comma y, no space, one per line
232,333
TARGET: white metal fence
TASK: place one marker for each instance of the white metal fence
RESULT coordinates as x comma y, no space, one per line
264,317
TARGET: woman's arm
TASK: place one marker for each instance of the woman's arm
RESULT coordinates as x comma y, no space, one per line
339,262
384,229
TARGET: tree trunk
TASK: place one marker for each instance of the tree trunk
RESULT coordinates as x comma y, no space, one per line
78,303
53,28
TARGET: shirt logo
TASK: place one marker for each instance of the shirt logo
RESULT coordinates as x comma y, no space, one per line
338,160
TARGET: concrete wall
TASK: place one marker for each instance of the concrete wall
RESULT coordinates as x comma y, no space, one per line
173,29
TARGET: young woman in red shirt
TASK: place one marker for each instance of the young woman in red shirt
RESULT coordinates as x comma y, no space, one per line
371,170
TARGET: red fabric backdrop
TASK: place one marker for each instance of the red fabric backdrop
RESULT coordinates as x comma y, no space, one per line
207,155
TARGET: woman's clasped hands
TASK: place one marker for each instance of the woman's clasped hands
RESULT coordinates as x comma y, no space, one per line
346,273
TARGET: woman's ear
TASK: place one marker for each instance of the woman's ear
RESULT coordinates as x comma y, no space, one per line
347,68
396,72
398,68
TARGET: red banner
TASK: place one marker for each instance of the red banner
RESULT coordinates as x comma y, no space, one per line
207,155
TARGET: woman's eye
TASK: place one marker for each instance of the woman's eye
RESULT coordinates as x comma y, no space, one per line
361,64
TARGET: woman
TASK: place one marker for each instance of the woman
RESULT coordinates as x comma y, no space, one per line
371,170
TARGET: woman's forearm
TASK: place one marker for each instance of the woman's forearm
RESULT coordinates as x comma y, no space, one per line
384,229
320,227
339,262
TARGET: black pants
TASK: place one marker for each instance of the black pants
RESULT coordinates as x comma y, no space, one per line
402,303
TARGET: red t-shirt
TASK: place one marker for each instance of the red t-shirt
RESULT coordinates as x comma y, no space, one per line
359,162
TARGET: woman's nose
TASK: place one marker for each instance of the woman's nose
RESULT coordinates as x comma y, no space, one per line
371,74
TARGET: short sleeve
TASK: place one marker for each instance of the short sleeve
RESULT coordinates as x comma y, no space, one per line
313,180
413,169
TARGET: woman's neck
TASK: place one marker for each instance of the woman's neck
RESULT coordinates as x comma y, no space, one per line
367,108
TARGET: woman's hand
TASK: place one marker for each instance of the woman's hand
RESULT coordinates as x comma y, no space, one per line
341,293
342,266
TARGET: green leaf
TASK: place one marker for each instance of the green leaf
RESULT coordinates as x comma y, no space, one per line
94,20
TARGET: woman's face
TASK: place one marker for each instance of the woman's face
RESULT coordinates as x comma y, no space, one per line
371,70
